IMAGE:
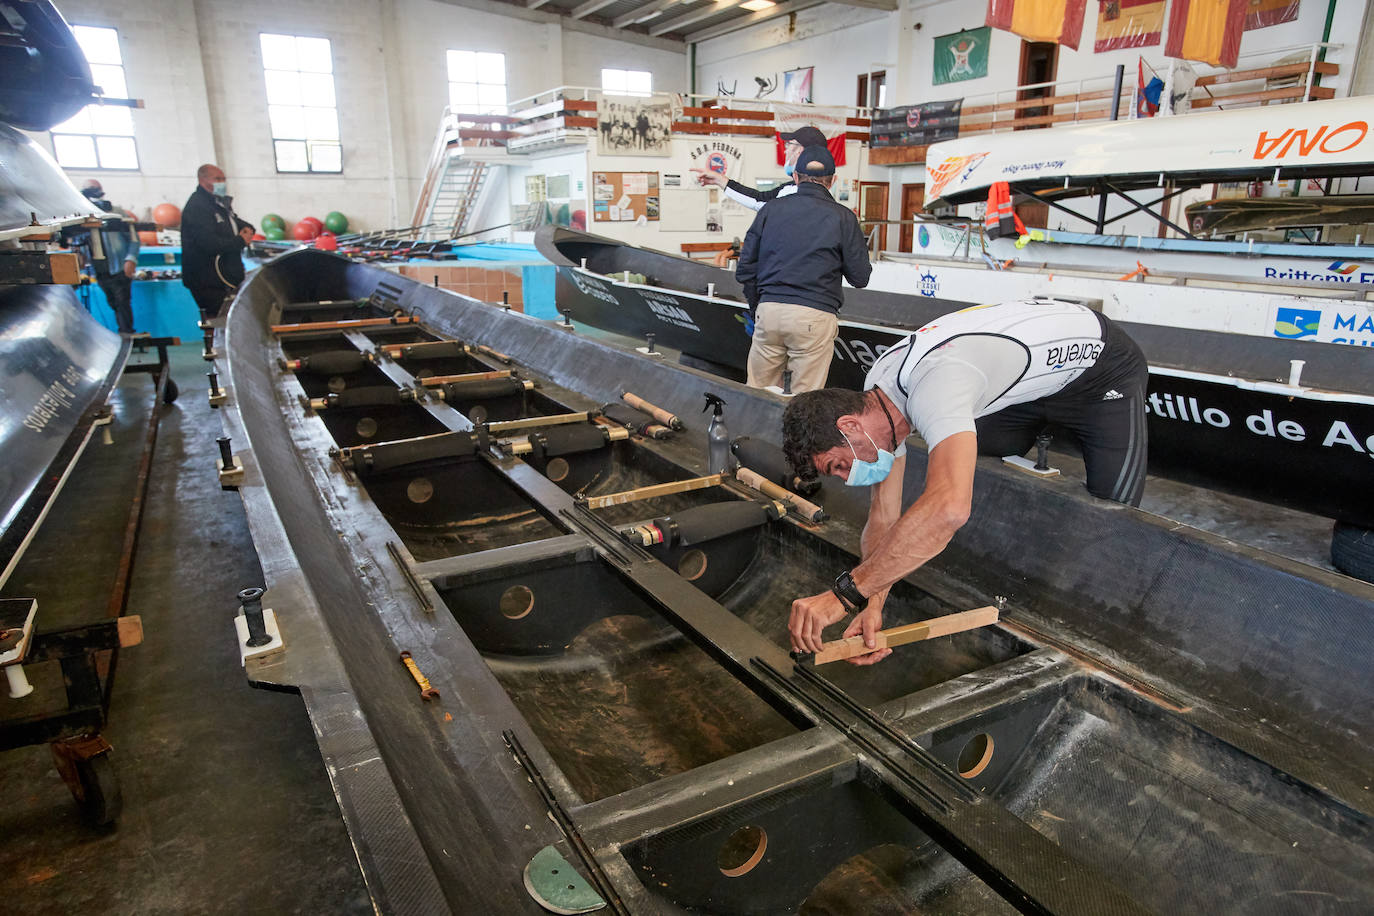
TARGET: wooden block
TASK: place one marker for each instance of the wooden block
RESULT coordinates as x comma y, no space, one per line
65,267
130,629
912,632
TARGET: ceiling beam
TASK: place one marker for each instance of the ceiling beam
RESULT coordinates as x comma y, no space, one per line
642,12
705,12
591,6
535,4
743,22
887,5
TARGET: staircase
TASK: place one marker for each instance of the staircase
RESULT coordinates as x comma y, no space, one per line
454,179
456,196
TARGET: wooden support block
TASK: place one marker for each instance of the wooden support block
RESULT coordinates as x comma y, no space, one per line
912,632
130,629
65,268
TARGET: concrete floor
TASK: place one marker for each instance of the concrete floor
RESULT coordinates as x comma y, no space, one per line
226,804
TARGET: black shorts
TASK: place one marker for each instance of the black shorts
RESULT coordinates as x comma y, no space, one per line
1104,409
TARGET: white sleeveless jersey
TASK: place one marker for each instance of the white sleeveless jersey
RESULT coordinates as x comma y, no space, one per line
975,362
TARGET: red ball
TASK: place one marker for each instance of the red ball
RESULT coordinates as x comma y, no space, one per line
305,230
319,226
167,216
327,242
259,237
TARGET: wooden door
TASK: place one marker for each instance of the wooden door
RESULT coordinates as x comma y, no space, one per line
873,205
913,197
1039,64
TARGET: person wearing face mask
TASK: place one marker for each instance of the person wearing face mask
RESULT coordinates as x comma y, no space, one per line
115,272
986,380
212,241
793,144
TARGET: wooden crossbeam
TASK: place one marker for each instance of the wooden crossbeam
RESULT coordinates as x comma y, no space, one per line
650,492
343,325
434,381
912,632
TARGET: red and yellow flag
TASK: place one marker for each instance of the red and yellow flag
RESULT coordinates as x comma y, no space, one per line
1260,14
1206,30
1060,21
1128,24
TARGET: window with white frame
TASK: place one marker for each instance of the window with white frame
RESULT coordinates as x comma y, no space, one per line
99,136
477,82
627,82
301,106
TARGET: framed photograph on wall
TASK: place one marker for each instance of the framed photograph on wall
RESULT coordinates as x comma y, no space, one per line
633,126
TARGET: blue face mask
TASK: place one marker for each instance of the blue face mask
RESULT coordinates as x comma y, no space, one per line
220,189
788,170
867,473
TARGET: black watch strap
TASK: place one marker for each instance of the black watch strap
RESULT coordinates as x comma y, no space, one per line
848,593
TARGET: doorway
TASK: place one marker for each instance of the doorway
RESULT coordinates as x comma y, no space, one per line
913,198
873,206
1039,64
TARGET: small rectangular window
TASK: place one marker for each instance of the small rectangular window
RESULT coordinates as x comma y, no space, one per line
627,82
302,109
99,136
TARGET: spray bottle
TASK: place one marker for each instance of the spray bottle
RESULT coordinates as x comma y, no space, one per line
717,437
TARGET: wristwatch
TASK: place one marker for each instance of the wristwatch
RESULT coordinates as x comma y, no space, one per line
848,593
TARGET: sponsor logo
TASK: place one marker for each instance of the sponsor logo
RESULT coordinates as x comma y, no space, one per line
1349,273
1343,267
913,117
1326,139
954,168
930,285
1113,395
590,287
923,236
1080,353
716,163
1295,323
667,309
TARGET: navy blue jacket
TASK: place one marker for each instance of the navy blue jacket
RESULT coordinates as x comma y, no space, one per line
798,249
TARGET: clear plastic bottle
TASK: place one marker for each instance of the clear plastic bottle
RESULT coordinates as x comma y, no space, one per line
718,455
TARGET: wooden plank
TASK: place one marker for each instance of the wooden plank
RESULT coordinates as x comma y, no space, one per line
342,325
697,247
858,122
685,127
1042,102
656,490
725,114
579,121
434,381
854,135
503,427
547,124
1325,68
1270,95
897,155
477,133
580,104
912,632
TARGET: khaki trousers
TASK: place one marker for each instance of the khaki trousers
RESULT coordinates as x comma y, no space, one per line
793,337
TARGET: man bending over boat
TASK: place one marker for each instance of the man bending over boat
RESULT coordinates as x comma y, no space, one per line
982,381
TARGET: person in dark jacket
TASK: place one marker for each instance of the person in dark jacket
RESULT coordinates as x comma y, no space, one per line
212,242
753,198
790,265
115,271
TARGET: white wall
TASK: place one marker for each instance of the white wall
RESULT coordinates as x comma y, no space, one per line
197,65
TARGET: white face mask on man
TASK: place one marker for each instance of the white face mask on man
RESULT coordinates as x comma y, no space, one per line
220,189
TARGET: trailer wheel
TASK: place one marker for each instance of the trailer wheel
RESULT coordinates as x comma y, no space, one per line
100,799
1352,550
169,394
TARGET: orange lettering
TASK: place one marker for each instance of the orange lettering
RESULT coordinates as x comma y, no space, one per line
1300,137
1261,150
1360,126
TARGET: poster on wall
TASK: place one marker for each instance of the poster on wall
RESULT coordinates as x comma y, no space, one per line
719,156
963,55
1262,13
796,85
630,126
916,125
624,196
1128,24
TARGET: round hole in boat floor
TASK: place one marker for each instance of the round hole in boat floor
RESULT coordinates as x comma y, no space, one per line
692,566
478,414
337,383
516,601
741,851
425,373
420,490
366,428
557,469
975,756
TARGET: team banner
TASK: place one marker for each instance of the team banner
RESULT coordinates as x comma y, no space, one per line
916,125
1262,13
1206,30
1060,21
962,56
1128,24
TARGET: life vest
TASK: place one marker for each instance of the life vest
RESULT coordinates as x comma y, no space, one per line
1000,218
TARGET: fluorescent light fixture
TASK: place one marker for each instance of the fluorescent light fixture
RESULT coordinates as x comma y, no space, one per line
754,6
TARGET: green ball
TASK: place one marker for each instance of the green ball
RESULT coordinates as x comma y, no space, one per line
336,222
273,220
273,233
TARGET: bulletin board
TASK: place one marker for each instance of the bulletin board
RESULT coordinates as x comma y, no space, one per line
624,196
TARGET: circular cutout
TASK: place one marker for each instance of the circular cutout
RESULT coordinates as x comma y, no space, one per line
692,566
424,373
516,602
337,383
478,414
420,490
557,469
366,428
741,851
975,756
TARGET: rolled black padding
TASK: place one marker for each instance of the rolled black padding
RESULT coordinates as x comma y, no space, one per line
438,350
369,396
333,362
482,388
567,439
706,523
769,461
625,415
374,459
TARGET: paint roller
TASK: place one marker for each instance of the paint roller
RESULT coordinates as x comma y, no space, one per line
698,524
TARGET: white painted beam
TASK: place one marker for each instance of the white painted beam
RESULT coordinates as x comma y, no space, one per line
591,6
705,12
640,12
743,22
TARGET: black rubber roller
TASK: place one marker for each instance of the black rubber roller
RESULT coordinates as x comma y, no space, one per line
370,396
769,461
568,439
482,388
706,523
332,362
374,459
447,349
623,414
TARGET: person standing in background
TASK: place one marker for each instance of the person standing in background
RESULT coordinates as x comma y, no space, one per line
212,242
115,273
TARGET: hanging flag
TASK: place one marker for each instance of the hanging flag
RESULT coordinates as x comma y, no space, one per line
1128,24
961,56
1146,93
829,120
1262,13
1060,21
1206,30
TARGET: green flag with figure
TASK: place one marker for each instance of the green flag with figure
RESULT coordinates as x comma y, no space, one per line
962,56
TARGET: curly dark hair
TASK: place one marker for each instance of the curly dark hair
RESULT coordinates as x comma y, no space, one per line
808,425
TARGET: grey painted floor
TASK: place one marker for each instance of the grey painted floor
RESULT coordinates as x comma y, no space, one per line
227,807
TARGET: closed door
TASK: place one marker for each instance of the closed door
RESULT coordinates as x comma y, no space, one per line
1039,64
873,206
913,200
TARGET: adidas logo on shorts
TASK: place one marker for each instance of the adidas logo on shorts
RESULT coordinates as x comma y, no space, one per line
1113,395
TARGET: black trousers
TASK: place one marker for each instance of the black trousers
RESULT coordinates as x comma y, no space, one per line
118,290
209,301
1104,409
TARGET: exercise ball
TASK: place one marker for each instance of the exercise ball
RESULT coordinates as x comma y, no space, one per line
167,216
273,219
336,222
147,237
304,231
314,221
578,220
259,237
327,242
274,233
